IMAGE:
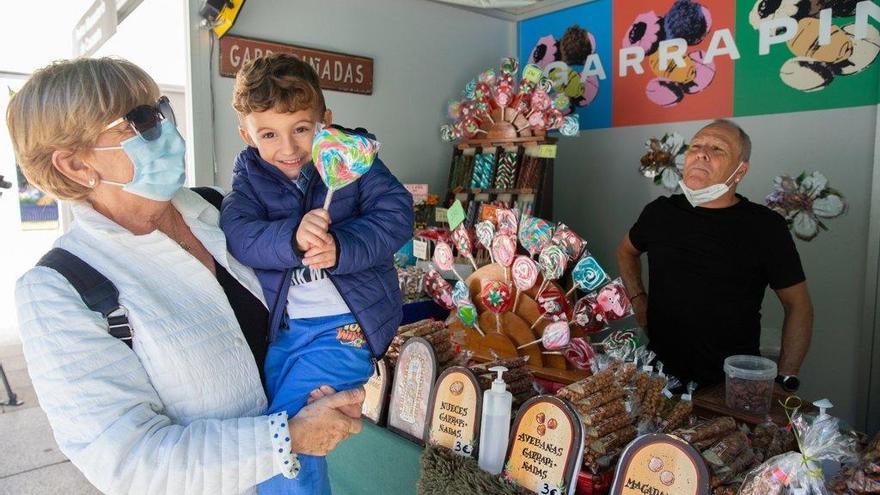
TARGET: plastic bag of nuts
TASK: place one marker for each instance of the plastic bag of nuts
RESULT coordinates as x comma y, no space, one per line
594,416
587,386
714,428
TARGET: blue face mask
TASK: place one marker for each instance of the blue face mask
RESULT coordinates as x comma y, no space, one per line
159,165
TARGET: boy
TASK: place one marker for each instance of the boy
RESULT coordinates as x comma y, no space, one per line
328,276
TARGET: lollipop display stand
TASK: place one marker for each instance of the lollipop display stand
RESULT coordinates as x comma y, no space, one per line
502,341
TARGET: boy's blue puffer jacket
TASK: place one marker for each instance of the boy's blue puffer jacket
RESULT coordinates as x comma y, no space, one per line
370,220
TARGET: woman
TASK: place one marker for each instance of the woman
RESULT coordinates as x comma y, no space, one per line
182,410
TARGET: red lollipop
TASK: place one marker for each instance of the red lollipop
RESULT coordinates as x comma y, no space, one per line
439,289
581,354
497,297
588,315
552,305
504,250
461,236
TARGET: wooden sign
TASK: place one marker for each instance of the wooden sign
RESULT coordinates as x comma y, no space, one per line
337,71
413,381
455,412
661,465
546,447
376,399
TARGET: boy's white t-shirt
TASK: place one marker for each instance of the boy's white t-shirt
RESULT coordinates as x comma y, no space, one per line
312,294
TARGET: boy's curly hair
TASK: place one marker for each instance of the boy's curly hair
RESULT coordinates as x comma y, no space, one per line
280,82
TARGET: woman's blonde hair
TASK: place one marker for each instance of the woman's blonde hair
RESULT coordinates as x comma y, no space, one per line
66,106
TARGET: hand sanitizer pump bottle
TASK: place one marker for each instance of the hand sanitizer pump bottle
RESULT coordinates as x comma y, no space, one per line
495,424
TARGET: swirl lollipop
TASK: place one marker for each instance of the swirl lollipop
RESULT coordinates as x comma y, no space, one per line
467,313
565,238
525,274
444,259
623,342
485,233
439,289
465,244
507,222
447,133
588,315
581,354
587,275
571,126
557,335
497,298
561,102
534,234
341,158
509,65
488,76
504,250
453,109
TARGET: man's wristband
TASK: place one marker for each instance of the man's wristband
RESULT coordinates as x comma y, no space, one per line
633,298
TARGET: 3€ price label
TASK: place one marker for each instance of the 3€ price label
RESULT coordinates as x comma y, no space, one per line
440,215
532,73
545,488
420,249
463,449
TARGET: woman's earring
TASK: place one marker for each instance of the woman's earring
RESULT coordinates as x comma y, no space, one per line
93,182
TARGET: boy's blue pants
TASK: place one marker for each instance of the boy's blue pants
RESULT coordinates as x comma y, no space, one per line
309,353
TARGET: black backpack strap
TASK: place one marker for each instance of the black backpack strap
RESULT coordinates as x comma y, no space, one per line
210,195
96,290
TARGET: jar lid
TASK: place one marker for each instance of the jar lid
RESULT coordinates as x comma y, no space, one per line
750,367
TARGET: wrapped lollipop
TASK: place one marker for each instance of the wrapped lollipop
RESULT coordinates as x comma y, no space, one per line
503,95
561,103
552,263
534,234
448,133
509,65
525,274
556,336
588,315
461,236
614,301
488,76
469,91
497,298
581,354
552,305
439,289
566,238
504,250
587,275
341,158
554,118
485,233
466,311
623,342
453,109
522,99
539,102
444,259
507,221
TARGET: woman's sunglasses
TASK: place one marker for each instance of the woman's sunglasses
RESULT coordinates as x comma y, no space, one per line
145,119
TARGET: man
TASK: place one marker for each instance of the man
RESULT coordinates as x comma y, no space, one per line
711,255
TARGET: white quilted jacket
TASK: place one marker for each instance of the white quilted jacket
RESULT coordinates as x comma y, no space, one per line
184,412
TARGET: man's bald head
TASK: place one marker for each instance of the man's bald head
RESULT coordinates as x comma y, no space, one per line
743,139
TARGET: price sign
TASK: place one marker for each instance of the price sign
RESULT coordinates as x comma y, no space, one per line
455,412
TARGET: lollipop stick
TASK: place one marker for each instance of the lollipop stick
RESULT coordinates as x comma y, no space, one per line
555,353
477,328
516,300
514,117
536,322
473,263
573,287
328,198
489,116
497,323
456,273
541,288
530,343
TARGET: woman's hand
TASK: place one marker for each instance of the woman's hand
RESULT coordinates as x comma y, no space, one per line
319,427
313,230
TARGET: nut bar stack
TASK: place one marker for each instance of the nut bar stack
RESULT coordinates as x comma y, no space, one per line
520,381
608,425
435,332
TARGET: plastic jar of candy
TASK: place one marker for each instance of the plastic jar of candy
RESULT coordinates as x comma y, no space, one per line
749,383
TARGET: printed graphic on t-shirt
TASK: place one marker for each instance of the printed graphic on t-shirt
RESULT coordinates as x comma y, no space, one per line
351,335
304,275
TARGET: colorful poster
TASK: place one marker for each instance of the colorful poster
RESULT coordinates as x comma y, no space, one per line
802,74
634,62
666,90
573,47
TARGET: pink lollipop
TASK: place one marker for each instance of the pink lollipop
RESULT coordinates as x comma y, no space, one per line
496,297
554,118
525,274
485,233
556,336
507,221
540,101
580,354
504,249
465,244
439,289
444,258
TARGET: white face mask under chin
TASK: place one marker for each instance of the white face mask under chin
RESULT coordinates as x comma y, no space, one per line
697,197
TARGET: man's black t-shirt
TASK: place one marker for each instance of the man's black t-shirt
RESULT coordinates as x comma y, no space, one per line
708,270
